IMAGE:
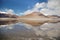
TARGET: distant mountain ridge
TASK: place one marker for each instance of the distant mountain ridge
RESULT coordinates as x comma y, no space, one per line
38,14
4,15
53,16
33,14
34,18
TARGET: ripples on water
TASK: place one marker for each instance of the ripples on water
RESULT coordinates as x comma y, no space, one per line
22,31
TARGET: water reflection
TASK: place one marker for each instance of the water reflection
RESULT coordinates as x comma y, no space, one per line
22,31
8,22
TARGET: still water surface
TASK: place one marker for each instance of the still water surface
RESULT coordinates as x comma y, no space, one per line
22,31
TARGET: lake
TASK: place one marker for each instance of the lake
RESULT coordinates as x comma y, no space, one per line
23,31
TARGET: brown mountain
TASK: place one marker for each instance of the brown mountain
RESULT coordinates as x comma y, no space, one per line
34,18
8,18
4,15
33,15
37,18
53,16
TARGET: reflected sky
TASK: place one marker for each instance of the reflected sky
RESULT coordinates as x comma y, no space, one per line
29,30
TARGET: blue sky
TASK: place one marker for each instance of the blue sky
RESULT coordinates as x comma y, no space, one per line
19,5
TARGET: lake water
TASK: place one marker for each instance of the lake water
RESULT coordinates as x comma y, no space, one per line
22,31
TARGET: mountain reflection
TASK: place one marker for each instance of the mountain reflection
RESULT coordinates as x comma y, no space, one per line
7,22
23,31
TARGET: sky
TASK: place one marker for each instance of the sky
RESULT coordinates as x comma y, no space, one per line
19,5
23,7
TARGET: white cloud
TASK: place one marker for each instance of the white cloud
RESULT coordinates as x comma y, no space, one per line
39,5
50,8
10,11
7,11
35,8
53,3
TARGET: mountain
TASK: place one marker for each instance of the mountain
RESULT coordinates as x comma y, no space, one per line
33,15
34,18
53,16
5,15
37,18
7,18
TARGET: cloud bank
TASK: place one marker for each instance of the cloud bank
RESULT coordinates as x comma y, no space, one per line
35,8
50,8
7,11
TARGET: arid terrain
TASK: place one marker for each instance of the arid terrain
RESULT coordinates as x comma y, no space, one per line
35,18
34,26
